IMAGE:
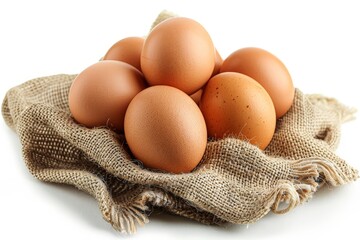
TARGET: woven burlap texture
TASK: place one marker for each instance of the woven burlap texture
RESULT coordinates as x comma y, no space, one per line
234,183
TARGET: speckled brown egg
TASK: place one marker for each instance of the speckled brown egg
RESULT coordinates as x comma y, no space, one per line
165,129
180,53
100,95
235,105
266,69
127,50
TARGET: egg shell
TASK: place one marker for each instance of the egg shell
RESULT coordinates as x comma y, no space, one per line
126,50
197,96
165,129
235,105
100,94
178,52
218,62
266,69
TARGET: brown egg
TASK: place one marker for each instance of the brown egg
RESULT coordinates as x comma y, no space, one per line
127,50
180,53
235,105
218,63
197,96
266,69
165,129
100,94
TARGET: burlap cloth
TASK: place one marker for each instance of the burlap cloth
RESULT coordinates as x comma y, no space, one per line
234,183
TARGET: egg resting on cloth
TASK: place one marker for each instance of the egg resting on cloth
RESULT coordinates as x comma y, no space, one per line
234,183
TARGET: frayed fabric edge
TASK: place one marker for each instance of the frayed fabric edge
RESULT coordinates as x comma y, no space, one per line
346,113
305,174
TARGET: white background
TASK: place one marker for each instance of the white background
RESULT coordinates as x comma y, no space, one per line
317,40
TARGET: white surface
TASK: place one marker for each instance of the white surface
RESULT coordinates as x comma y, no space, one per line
317,40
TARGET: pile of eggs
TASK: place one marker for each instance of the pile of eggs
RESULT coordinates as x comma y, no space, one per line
172,91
